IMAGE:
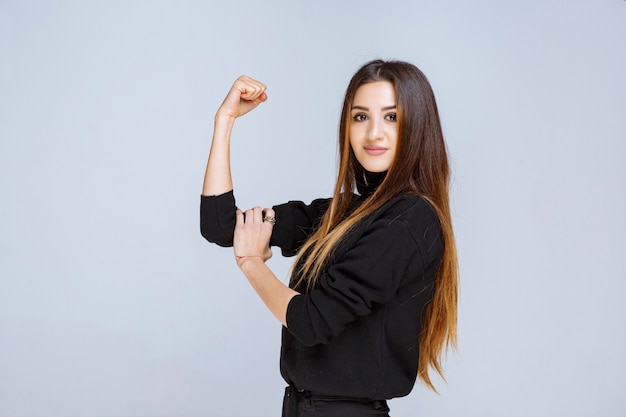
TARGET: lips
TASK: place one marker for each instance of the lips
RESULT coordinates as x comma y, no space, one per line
375,150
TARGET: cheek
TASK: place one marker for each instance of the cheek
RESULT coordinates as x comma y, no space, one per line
393,138
392,132
358,132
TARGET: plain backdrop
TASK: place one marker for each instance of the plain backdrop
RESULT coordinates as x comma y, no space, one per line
112,304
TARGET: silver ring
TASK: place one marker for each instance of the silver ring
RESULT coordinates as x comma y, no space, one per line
269,219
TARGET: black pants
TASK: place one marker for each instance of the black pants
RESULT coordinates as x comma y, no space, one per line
305,404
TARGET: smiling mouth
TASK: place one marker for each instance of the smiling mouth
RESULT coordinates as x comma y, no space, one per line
375,150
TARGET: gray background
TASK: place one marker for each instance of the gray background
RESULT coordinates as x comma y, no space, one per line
111,303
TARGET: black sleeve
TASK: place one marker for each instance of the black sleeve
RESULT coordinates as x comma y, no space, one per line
294,221
217,218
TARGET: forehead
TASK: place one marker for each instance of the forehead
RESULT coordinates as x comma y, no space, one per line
380,93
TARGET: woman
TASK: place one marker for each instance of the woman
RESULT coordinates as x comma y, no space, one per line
372,300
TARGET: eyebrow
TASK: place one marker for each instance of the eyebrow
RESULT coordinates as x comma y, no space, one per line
367,109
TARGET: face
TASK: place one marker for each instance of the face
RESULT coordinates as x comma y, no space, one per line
373,129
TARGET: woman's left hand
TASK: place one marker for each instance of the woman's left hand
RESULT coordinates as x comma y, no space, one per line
252,234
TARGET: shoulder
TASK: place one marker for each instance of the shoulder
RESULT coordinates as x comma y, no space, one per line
411,209
413,217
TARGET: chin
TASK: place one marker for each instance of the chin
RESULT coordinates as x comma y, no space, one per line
374,166
377,168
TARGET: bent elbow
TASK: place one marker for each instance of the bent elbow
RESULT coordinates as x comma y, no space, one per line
215,234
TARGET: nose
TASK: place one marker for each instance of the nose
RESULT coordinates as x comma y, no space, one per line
374,129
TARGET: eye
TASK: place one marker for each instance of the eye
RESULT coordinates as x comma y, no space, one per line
359,117
391,117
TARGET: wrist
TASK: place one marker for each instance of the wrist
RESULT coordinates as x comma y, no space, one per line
224,118
244,262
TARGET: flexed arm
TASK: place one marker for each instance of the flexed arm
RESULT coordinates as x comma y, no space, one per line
252,233
245,94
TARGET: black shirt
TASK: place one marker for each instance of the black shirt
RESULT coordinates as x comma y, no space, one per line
356,334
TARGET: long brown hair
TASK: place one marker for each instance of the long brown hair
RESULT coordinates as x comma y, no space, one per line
420,167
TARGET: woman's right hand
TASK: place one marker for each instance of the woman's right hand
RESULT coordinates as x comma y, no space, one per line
245,94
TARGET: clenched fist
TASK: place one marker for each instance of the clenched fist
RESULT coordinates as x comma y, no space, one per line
245,94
